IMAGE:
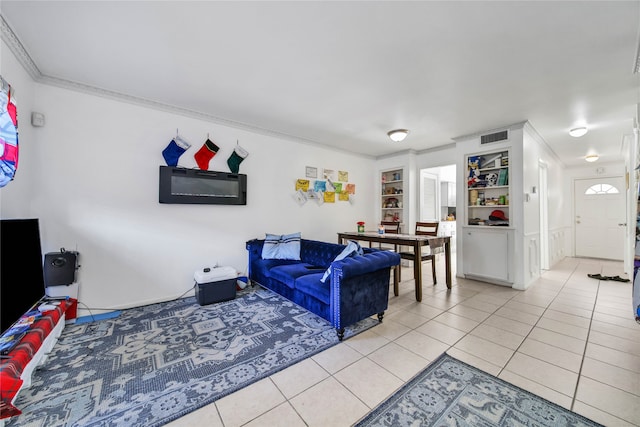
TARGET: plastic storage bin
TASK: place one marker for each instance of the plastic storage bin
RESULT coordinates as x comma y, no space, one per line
215,284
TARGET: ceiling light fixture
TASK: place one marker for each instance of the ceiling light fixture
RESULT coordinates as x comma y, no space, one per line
591,157
398,135
578,132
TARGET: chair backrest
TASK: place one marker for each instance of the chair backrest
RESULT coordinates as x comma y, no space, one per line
427,228
391,227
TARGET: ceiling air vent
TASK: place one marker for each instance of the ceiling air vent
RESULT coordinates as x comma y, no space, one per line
494,137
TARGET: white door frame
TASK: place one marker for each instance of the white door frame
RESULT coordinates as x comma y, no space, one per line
437,202
544,214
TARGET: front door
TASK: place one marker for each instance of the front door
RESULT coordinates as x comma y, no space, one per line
600,217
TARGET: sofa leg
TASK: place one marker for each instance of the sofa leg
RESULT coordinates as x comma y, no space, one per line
340,333
380,316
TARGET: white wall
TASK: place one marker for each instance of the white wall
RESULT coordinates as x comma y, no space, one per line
535,151
95,190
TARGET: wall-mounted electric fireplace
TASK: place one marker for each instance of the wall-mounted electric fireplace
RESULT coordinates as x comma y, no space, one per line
195,186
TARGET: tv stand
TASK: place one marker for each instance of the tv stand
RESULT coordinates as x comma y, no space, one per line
32,350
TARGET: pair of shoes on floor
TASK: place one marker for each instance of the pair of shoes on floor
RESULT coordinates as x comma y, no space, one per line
614,278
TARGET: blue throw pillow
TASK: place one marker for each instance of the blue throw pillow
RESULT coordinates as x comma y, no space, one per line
352,248
281,246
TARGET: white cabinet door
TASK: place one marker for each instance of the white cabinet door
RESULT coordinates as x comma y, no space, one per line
486,253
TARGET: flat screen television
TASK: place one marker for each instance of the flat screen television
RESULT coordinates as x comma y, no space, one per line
194,186
21,269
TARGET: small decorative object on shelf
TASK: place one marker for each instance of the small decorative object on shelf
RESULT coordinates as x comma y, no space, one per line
380,229
360,226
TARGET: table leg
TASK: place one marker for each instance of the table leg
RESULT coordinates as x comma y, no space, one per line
396,280
447,260
417,269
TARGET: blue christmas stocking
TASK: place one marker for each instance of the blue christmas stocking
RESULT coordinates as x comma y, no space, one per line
174,150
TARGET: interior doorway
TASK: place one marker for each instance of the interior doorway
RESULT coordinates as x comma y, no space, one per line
600,217
438,199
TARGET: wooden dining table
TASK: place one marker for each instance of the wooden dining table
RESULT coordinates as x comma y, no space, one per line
412,240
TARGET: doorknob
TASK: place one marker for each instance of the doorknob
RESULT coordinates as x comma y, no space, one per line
577,221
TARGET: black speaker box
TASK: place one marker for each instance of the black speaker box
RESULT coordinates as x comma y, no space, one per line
60,268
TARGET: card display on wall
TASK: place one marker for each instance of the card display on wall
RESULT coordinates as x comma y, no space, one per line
325,190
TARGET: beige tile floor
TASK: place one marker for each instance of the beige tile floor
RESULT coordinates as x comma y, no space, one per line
568,338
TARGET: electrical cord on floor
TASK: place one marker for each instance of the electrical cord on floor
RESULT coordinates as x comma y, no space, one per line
159,302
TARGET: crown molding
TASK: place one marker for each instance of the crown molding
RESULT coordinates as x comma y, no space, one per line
11,40
451,145
9,37
528,127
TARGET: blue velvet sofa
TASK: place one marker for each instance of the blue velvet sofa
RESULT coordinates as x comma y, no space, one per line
358,286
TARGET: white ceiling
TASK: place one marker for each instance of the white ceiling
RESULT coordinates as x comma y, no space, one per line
345,73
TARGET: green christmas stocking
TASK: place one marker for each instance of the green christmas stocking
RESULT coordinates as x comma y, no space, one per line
238,155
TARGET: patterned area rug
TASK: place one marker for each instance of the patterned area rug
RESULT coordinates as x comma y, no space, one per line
157,363
451,393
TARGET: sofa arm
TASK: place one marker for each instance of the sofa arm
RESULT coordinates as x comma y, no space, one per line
255,249
359,265
360,287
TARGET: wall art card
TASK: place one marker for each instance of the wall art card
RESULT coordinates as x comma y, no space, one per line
300,197
351,188
343,176
329,174
337,186
311,172
320,186
302,184
313,195
329,196
330,185
343,196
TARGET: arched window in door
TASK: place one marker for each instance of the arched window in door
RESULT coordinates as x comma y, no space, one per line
601,189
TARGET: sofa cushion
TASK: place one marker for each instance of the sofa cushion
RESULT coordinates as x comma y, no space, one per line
310,284
285,246
288,274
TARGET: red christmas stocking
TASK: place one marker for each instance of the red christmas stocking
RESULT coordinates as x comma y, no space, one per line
205,154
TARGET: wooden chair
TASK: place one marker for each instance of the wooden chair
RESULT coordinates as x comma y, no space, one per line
425,229
390,227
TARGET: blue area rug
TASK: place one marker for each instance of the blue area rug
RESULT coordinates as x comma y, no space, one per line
156,363
451,393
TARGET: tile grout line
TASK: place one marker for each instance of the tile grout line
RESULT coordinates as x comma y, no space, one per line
584,351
